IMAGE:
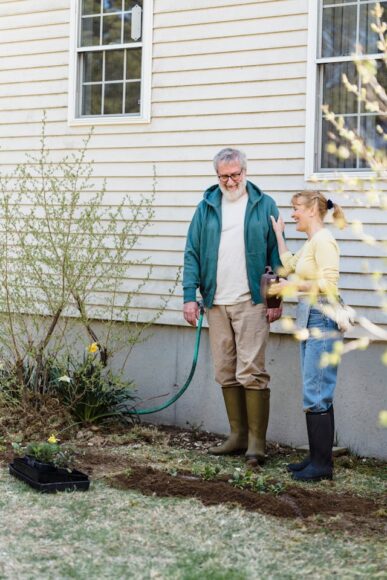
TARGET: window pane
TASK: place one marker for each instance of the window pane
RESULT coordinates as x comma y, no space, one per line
339,31
133,96
381,77
130,3
112,5
329,161
91,101
114,65
92,63
368,39
335,94
370,134
133,63
111,33
113,98
90,31
91,6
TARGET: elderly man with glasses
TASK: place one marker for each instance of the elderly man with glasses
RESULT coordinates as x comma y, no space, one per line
229,243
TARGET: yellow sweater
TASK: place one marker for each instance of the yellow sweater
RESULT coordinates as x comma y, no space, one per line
317,261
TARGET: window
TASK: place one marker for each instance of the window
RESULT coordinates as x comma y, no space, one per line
112,64
343,26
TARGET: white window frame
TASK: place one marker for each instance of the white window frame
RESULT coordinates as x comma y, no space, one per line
146,73
312,133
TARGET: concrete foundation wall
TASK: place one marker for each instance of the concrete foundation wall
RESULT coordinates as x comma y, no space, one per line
162,363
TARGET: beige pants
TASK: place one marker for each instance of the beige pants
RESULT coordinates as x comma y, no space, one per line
238,338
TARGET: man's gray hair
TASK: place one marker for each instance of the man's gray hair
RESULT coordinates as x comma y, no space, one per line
228,155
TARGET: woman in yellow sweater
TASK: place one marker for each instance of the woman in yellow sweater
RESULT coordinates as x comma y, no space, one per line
316,275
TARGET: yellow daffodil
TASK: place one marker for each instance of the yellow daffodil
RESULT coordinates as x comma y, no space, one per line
93,347
64,379
52,439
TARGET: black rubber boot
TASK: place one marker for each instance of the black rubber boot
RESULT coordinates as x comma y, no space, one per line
292,467
320,445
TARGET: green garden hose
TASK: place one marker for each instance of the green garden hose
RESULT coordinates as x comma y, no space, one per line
190,376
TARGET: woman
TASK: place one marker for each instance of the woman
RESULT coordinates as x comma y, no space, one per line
316,268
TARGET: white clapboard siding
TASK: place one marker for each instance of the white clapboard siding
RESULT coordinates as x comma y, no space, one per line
224,72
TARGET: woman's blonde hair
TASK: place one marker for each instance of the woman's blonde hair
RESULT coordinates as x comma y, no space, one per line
309,197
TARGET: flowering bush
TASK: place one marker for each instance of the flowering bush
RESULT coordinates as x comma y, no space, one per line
91,392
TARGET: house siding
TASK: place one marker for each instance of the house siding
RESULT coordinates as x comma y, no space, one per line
224,73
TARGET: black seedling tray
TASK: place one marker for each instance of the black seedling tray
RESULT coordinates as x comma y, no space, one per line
54,480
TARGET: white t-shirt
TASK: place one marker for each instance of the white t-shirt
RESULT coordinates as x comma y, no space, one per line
231,278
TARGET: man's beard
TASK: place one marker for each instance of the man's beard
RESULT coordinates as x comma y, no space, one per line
236,193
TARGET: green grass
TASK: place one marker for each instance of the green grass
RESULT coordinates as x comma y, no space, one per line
109,533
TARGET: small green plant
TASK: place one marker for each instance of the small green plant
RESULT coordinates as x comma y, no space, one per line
208,472
50,451
242,479
255,482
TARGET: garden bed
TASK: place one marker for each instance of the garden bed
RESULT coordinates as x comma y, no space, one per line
149,469
173,462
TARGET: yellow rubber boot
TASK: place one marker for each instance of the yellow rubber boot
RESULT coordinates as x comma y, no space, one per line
258,407
234,399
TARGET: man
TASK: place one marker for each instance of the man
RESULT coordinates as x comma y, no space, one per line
229,243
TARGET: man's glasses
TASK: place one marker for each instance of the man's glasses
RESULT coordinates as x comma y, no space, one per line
233,176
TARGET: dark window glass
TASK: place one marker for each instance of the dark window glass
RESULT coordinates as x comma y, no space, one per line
368,39
91,6
339,31
114,65
91,102
334,92
132,98
133,63
90,31
112,5
114,93
111,29
92,67
130,3
110,79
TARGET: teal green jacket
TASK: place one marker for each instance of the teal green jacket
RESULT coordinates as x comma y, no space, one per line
201,251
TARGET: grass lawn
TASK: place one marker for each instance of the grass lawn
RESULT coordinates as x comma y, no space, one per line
121,533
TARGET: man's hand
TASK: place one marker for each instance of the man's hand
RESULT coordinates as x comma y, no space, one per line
273,314
191,312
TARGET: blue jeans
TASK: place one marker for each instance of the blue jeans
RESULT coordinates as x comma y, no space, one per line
318,382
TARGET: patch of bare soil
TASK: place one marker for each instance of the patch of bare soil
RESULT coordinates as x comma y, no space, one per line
342,512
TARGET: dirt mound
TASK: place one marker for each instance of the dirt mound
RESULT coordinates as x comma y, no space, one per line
342,512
